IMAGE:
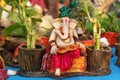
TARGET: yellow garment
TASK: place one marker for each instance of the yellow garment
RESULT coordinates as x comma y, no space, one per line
2,3
79,65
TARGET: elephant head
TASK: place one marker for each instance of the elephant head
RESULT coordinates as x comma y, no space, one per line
63,26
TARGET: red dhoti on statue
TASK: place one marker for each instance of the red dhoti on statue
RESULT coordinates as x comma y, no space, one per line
64,61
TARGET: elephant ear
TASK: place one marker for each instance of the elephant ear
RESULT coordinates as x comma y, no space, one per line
72,23
57,23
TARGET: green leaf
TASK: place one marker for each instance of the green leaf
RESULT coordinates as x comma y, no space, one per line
73,3
112,15
7,1
14,17
36,19
89,26
61,1
30,11
0,12
15,30
65,12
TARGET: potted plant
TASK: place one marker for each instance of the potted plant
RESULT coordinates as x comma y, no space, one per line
95,54
82,18
110,23
4,22
25,17
116,9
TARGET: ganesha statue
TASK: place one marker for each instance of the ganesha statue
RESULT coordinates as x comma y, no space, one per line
64,45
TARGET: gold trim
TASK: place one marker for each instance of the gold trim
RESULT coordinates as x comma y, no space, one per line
2,62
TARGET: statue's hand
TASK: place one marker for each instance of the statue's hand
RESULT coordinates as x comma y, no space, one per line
53,50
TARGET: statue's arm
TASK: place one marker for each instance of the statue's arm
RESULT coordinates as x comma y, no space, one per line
82,47
52,42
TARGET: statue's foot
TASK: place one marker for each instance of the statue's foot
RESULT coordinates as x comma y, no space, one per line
57,72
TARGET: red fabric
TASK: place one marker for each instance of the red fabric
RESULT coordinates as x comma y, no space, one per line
64,61
44,41
46,62
16,50
3,74
33,2
3,38
1,65
39,2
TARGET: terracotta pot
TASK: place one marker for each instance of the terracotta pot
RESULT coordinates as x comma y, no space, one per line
111,37
88,42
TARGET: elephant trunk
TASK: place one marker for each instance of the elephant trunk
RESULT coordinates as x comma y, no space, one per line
65,28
